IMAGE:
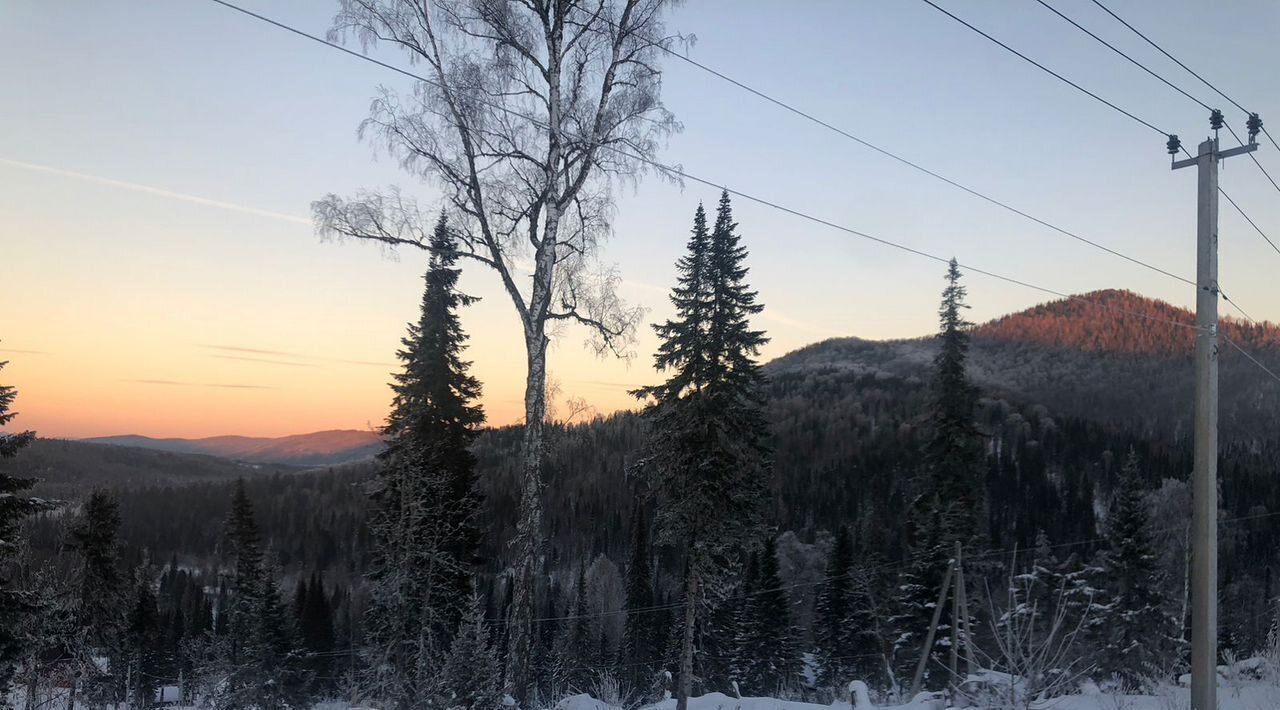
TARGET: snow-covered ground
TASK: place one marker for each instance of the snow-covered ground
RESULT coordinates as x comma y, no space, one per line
1234,693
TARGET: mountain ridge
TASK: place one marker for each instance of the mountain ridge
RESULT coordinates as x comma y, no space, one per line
1128,362
321,448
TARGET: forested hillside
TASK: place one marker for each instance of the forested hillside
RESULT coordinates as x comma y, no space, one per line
849,420
1128,363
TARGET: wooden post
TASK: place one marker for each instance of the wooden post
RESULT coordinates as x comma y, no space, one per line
933,629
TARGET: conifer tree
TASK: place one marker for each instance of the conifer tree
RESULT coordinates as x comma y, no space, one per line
732,626
142,641
832,629
247,582
100,597
16,606
949,500
265,670
300,600
426,534
770,661
316,626
706,459
642,637
1141,633
575,648
472,677
953,452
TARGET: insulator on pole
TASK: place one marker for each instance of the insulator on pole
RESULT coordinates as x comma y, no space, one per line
1174,145
1254,125
1215,119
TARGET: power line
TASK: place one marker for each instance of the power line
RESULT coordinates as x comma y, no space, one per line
911,164
672,170
1133,61
1178,89
1252,359
1249,219
1206,82
1255,159
1042,68
1227,298
1188,69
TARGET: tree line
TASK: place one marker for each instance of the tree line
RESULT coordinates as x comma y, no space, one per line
708,595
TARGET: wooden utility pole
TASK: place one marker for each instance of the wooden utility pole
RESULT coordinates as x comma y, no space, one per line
933,629
962,597
1204,521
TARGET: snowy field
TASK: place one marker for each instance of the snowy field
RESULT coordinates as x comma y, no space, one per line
1255,696
1243,686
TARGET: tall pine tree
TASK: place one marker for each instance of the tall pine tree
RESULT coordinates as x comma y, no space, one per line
832,631
315,624
92,535
769,661
949,499
472,677
264,667
142,636
706,460
424,521
16,605
1141,632
642,636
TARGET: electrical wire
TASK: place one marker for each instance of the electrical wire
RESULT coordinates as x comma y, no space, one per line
1188,69
676,171
672,170
1041,67
1252,359
909,163
1249,219
1133,61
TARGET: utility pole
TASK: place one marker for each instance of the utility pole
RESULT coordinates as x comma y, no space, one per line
1204,488
927,650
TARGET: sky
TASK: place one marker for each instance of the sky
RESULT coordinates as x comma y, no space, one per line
160,275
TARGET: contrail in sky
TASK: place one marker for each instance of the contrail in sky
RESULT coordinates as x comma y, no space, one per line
158,192
769,314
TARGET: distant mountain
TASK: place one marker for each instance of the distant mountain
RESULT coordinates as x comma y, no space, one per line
1130,362
66,469
1126,323
322,448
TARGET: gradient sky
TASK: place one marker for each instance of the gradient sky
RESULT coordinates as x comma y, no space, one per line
160,274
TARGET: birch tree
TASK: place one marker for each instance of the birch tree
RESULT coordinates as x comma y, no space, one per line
527,115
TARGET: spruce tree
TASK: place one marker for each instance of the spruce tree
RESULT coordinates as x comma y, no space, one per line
316,626
832,630
472,677
92,536
247,582
770,661
142,635
1141,633
300,600
706,460
949,500
265,670
424,518
16,606
953,453
641,636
